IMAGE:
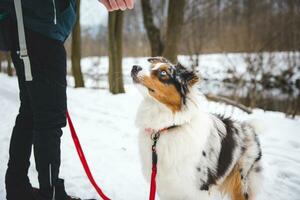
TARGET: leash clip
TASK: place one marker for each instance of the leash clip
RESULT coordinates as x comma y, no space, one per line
155,136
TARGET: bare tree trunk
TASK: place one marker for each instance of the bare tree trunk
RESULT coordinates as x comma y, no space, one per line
76,51
153,32
9,67
115,75
169,47
175,21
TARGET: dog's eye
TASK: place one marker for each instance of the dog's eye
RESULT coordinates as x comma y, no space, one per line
163,73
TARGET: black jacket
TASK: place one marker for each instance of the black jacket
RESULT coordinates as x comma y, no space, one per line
52,18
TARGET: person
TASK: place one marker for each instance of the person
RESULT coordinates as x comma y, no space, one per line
42,112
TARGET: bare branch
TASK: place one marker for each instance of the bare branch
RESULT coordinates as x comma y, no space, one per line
216,98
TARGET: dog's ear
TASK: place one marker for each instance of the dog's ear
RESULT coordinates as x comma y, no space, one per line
185,75
154,60
185,79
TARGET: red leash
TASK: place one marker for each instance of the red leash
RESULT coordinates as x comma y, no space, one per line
83,160
155,136
154,166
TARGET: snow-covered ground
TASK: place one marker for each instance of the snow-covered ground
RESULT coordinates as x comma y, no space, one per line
105,125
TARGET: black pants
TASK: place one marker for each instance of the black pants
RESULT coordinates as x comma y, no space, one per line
41,116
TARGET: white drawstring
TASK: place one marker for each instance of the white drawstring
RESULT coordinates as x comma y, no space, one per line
54,9
50,178
22,41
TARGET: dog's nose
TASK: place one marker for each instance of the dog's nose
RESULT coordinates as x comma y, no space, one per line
135,69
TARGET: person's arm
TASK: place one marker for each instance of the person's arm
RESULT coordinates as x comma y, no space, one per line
112,5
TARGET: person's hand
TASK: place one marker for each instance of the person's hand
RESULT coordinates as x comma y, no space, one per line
112,5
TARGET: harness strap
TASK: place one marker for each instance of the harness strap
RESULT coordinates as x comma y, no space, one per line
22,41
83,159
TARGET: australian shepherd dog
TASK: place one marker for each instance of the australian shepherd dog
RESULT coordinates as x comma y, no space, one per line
200,154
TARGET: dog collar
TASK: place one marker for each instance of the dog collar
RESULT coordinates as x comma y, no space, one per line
153,132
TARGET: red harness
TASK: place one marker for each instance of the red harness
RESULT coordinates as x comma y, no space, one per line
155,136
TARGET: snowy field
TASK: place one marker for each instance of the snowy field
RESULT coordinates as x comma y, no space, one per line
105,125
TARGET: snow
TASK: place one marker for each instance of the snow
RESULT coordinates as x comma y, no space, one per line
105,126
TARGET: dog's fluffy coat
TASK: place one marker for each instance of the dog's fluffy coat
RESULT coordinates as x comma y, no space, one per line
205,153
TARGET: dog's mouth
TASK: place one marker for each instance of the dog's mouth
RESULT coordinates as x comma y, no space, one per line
136,79
150,89
134,72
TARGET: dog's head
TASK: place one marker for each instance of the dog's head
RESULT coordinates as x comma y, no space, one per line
167,83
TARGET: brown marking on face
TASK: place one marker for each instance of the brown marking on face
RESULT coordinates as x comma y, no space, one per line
233,185
162,67
194,80
164,93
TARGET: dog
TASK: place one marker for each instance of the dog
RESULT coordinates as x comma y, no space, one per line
199,154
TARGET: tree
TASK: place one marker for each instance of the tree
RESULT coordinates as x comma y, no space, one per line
168,47
175,21
115,76
153,32
76,50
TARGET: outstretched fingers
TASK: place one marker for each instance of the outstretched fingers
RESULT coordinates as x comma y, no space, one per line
112,5
106,4
121,4
129,3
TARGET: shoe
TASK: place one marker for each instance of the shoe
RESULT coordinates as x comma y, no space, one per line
19,194
60,192
18,191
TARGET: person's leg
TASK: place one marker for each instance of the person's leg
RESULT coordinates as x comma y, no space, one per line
48,100
16,180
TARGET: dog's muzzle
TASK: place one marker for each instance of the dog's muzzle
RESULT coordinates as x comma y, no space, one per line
134,72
